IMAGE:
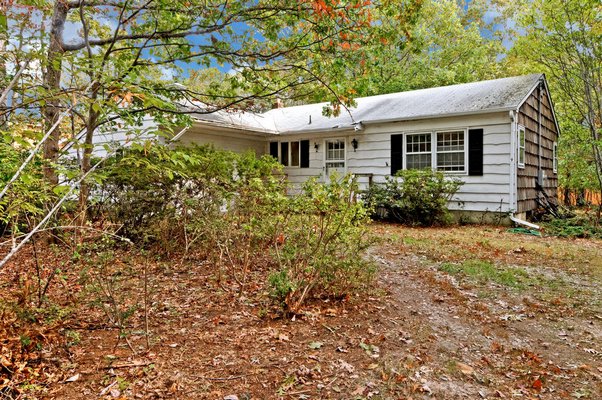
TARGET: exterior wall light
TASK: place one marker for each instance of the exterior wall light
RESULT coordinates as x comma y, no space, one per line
316,146
354,144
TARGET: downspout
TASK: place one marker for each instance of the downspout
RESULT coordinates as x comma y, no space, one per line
513,178
539,170
179,135
523,222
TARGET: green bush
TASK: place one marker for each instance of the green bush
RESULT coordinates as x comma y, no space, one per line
153,192
416,197
28,197
324,236
579,226
234,210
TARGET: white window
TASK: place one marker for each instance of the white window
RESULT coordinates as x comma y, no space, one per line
418,151
290,154
521,146
335,154
451,155
555,157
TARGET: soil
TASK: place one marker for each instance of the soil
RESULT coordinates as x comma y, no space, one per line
421,333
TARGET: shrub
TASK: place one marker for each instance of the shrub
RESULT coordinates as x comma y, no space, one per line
28,197
320,251
416,197
578,226
235,209
153,192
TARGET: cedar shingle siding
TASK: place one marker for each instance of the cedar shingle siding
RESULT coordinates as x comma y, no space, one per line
527,176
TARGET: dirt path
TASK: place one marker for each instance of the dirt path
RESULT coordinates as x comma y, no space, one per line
504,345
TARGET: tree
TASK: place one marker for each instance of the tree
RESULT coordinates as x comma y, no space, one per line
419,44
564,39
113,67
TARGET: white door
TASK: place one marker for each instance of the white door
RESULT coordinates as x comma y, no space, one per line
334,158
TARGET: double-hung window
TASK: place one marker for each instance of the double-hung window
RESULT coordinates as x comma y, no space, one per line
444,151
451,154
291,154
418,150
335,154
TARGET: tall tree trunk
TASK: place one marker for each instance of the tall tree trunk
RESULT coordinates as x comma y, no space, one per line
86,164
52,83
3,38
86,161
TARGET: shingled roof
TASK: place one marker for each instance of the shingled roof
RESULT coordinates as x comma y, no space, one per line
469,98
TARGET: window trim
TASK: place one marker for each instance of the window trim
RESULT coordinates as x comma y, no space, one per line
290,153
520,147
433,151
325,145
405,147
464,131
555,157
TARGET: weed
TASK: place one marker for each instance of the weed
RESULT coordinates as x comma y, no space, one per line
486,271
72,337
580,226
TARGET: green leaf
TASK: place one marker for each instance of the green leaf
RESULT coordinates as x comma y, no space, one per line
61,190
315,345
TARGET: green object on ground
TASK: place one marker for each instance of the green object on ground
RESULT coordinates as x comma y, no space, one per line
524,231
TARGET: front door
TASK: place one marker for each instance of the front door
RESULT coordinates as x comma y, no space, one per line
334,158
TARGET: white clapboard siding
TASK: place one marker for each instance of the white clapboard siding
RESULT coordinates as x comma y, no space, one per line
110,137
490,192
235,142
371,161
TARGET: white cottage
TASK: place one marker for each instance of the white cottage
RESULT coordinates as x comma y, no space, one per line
499,137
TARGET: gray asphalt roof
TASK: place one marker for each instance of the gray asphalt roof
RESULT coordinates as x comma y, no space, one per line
477,97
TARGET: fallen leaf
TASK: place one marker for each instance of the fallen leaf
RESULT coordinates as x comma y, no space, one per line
346,366
315,345
537,384
73,378
465,368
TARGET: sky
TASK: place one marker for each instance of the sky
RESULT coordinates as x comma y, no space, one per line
73,30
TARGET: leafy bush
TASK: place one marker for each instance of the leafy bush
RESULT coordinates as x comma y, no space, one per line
579,226
152,192
234,210
323,238
416,197
28,197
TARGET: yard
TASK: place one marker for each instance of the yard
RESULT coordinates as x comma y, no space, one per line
456,313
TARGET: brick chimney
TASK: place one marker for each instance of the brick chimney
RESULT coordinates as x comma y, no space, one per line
279,103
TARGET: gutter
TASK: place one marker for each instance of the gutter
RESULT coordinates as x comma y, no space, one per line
430,116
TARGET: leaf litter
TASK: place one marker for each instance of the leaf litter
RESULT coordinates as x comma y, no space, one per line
422,332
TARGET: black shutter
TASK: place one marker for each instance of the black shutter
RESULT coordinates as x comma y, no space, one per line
396,153
274,149
305,154
475,152
284,153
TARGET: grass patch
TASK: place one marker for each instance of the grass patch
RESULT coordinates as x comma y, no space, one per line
485,271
